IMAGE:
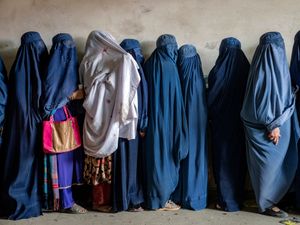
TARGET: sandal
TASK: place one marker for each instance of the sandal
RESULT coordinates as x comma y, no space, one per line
170,206
276,212
218,207
75,209
139,209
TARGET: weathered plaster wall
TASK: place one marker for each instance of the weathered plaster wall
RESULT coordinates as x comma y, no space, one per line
200,22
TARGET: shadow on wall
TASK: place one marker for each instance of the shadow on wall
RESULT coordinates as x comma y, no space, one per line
250,52
8,52
80,46
148,47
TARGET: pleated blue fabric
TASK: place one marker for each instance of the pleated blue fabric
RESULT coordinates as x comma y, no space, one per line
191,192
295,61
295,76
21,153
3,96
167,132
62,75
269,103
127,165
226,89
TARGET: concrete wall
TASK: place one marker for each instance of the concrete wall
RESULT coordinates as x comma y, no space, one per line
200,22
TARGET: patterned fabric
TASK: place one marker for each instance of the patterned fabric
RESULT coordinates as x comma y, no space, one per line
97,171
51,186
54,176
61,172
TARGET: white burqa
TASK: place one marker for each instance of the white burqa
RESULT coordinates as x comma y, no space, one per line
110,78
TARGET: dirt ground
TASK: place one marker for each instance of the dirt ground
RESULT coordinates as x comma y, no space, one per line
180,217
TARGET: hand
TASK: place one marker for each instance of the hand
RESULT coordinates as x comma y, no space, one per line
142,134
274,135
78,94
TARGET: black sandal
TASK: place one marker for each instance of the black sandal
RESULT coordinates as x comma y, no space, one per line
271,212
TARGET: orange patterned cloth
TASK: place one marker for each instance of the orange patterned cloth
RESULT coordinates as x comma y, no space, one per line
97,170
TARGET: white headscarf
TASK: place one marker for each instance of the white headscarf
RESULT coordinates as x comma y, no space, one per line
110,78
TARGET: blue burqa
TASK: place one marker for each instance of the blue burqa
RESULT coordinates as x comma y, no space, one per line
127,164
61,79
226,89
60,82
167,132
3,96
295,75
269,103
191,192
21,153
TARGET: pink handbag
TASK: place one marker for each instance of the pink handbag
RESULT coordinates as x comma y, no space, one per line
61,136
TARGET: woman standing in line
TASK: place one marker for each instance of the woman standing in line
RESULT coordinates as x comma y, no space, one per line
295,77
111,79
21,153
62,170
191,192
167,133
271,125
127,173
226,89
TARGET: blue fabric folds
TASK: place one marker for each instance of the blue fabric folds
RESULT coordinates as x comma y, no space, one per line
3,96
269,103
295,76
60,82
226,89
191,192
21,153
62,75
166,141
127,163
295,61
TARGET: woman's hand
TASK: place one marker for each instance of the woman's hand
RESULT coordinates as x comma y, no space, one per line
274,135
78,94
142,134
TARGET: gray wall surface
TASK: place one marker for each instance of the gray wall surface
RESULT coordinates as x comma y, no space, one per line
200,22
